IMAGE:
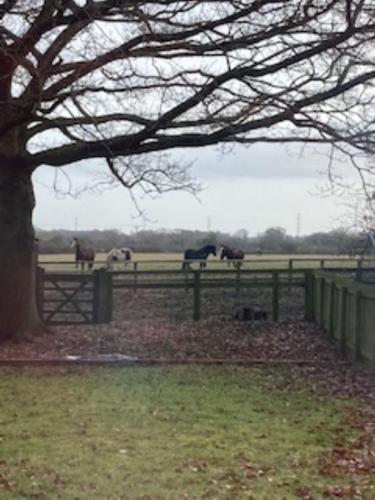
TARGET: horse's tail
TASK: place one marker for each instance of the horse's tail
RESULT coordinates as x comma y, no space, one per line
108,260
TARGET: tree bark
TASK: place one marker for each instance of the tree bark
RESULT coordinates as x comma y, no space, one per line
18,309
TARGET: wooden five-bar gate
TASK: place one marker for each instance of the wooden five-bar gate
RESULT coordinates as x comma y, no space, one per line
74,298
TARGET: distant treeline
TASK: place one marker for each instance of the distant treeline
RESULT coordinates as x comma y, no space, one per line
273,240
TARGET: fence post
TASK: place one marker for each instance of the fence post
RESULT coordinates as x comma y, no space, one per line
100,283
357,326
308,296
275,296
135,267
109,293
95,301
344,294
186,272
238,276
290,274
39,282
313,297
359,270
197,296
321,302
331,318
322,263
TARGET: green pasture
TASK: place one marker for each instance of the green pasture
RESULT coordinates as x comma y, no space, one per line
171,261
168,433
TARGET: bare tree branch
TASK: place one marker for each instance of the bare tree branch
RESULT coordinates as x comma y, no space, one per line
117,79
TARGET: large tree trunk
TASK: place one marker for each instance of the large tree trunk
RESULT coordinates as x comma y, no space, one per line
18,310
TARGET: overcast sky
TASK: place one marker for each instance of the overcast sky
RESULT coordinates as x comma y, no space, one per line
247,188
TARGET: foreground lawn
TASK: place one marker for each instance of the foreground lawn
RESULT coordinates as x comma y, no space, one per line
172,432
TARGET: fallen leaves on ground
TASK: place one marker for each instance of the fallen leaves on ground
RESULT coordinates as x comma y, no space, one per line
354,456
181,340
346,491
189,341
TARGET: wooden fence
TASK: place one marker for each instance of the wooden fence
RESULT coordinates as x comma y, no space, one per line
346,310
71,298
199,280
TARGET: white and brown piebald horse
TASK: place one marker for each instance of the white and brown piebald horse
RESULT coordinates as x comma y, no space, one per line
83,254
121,255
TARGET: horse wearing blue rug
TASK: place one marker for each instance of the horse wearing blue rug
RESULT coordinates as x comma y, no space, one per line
200,254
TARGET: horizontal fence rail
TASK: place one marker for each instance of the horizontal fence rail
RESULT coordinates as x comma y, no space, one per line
177,264
345,308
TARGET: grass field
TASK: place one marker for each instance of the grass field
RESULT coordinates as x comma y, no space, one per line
57,262
169,433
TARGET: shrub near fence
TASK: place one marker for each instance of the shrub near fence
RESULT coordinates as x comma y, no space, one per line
346,310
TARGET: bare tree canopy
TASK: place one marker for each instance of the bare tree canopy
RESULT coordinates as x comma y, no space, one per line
116,78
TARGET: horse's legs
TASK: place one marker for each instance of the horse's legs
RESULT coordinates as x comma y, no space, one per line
186,266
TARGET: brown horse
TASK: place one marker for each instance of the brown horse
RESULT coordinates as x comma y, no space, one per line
232,255
83,254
